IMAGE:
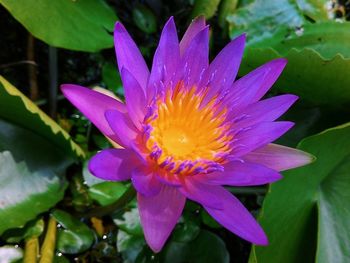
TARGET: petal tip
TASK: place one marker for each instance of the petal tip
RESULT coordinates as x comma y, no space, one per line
118,27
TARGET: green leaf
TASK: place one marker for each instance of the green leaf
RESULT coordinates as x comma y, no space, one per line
19,110
106,193
23,193
129,222
129,246
208,220
326,38
33,228
111,78
186,230
206,248
307,74
73,236
262,18
83,25
207,8
306,215
144,19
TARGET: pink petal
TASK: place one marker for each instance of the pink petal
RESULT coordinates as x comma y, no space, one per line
129,56
93,105
113,164
207,195
122,127
165,59
223,70
197,25
239,173
265,110
279,157
237,219
254,137
134,98
159,215
145,182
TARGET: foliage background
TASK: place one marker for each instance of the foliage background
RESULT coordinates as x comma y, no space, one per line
44,180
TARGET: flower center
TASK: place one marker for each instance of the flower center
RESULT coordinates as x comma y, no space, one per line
178,141
187,137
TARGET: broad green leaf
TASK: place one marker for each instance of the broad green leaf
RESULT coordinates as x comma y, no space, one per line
106,193
73,236
306,215
33,228
129,246
206,248
307,74
23,193
129,222
73,24
326,38
262,18
186,230
19,110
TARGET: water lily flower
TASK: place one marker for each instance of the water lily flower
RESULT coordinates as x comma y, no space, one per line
188,128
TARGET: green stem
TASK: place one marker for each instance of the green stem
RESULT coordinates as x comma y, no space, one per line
115,207
49,245
248,190
31,250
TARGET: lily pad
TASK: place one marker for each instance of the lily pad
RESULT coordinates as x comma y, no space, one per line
129,222
17,109
316,80
306,215
106,193
72,24
73,236
206,248
261,19
33,228
23,193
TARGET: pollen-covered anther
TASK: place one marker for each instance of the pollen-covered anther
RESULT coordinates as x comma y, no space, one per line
186,137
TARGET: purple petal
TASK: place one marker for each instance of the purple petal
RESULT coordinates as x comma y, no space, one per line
223,70
207,195
145,182
279,157
237,219
251,87
265,110
195,60
275,68
254,137
93,105
239,173
197,25
129,56
113,164
159,215
165,59
122,127
134,98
